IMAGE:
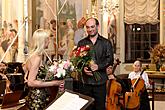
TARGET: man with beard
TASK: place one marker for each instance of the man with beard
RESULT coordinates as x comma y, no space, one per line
102,55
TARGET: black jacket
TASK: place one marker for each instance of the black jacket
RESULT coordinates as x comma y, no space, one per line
103,56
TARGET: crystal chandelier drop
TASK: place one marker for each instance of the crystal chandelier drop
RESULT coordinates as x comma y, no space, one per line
108,6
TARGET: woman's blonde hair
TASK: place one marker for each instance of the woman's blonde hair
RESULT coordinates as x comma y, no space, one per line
39,40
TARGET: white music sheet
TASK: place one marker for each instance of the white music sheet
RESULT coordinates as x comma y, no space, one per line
68,101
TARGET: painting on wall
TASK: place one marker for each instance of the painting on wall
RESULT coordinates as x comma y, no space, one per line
68,11
68,14
62,17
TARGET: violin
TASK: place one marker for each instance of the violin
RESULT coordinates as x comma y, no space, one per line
132,99
113,90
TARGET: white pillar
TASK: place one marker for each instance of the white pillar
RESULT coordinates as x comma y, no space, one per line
104,22
162,21
9,15
122,35
21,31
30,22
4,10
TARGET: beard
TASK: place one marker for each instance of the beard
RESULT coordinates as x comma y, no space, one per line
93,35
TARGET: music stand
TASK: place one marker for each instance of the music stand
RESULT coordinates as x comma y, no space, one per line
126,84
85,107
12,66
126,87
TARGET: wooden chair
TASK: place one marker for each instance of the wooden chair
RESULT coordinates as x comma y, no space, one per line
151,93
2,89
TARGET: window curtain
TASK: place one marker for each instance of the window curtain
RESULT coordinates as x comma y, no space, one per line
141,11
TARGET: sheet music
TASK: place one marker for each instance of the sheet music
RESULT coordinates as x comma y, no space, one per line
68,101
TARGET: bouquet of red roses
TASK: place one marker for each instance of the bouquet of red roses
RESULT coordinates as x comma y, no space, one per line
80,58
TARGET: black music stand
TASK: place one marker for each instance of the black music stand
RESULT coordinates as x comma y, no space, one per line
126,87
15,75
126,84
13,66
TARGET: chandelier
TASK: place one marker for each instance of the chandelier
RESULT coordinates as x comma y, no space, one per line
109,6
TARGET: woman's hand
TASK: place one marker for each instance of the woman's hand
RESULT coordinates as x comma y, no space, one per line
58,82
62,87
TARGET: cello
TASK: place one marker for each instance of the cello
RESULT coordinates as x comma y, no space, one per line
132,99
113,90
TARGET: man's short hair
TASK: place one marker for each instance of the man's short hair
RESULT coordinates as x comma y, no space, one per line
96,20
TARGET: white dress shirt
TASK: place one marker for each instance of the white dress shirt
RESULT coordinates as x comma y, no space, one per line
134,75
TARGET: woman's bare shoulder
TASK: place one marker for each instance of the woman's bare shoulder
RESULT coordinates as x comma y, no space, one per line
33,60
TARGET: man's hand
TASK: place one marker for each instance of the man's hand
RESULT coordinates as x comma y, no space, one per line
94,67
87,71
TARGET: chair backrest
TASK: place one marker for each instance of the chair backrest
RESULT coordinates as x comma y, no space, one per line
2,87
11,99
151,93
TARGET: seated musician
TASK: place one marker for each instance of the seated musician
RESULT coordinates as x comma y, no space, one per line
2,69
137,68
109,72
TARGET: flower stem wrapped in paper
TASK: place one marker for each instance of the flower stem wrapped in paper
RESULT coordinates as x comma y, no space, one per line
96,74
81,58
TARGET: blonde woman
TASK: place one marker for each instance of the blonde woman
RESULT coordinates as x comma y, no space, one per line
38,96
